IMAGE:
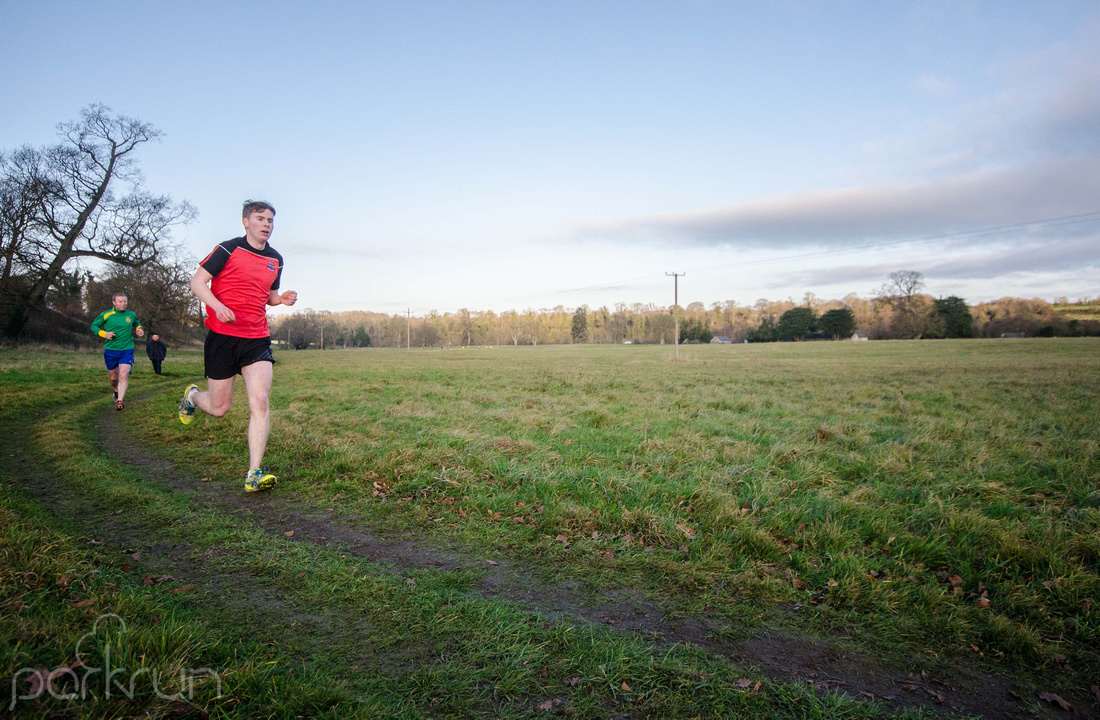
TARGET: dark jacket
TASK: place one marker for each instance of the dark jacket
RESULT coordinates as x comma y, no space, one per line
156,350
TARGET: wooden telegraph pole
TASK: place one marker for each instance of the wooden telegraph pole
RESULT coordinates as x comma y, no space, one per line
676,307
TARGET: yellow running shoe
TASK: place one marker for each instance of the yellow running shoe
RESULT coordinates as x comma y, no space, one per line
187,408
259,479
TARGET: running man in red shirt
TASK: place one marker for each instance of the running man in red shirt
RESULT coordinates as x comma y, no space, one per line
236,282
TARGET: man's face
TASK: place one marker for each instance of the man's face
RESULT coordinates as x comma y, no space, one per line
119,303
258,225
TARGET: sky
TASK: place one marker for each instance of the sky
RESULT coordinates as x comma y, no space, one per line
522,155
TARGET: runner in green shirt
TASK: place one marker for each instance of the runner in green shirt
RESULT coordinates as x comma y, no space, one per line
118,327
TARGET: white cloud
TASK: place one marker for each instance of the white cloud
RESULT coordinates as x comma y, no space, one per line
853,217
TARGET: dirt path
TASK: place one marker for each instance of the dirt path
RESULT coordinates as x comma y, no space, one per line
778,654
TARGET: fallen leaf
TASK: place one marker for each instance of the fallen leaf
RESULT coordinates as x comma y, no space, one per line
410,581
546,705
686,530
125,567
491,562
744,683
832,583
205,479
462,513
1095,692
84,603
975,648
64,580
181,589
983,603
626,688
136,556
562,539
37,681
148,579
117,512
1055,700
756,688
800,584
94,542
301,574
573,682
165,578
544,672
289,533
955,580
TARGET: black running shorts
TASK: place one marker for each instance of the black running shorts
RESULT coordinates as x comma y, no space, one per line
225,355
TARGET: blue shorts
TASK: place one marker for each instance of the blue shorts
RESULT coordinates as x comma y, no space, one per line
114,358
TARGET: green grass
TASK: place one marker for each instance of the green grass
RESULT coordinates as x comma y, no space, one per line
880,488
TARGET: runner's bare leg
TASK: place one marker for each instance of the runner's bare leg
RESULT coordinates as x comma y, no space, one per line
218,397
257,381
123,380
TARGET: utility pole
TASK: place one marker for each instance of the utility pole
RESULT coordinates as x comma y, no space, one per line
408,328
676,307
322,334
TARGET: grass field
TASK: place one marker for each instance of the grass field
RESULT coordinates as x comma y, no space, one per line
887,529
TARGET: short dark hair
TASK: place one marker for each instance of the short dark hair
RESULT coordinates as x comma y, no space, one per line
251,206
118,295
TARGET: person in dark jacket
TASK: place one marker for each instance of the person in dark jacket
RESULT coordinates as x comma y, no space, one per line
157,351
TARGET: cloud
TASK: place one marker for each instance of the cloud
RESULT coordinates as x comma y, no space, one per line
852,217
1061,256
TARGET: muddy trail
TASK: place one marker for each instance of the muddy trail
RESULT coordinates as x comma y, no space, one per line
782,656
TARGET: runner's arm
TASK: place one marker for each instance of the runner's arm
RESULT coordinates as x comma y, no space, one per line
287,298
97,327
200,285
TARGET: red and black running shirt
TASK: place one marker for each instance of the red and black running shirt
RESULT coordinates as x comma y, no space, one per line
243,279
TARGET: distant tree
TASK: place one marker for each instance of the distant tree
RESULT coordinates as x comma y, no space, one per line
360,338
796,322
694,330
767,332
838,323
88,201
955,313
903,293
301,329
580,324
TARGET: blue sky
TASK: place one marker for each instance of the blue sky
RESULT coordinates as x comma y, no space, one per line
512,155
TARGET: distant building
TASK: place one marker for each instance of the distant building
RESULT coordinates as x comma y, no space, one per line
720,340
1014,335
859,337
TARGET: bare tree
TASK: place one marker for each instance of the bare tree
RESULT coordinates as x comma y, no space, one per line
89,200
903,293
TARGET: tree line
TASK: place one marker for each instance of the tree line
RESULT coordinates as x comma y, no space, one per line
882,316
